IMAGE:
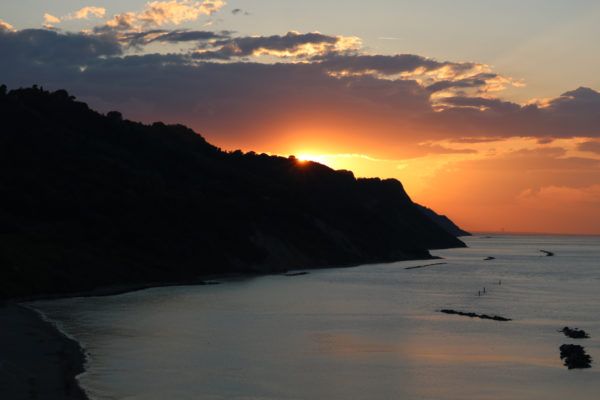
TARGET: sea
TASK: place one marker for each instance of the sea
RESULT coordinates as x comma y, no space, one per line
372,332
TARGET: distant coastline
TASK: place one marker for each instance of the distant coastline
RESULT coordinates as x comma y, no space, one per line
500,233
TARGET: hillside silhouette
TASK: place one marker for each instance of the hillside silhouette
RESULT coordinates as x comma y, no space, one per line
443,221
92,200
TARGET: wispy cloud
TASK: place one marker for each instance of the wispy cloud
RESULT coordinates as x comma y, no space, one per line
591,146
159,13
175,12
51,19
84,13
5,26
552,197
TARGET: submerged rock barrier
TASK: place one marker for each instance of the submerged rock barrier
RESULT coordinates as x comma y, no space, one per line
574,356
295,273
575,333
426,265
475,315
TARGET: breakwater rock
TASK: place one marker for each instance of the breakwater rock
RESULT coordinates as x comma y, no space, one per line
574,356
575,333
475,315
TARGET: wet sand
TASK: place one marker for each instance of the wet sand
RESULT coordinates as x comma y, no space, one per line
36,360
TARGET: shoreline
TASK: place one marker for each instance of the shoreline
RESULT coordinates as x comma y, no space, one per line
116,289
38,360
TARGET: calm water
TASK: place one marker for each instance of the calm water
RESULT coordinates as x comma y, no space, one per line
370,332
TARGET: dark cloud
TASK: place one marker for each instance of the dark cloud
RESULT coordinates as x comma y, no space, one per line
221,54
575,113
477,81
545,140
237,11
476,140
173,36
236,103
580,99
42,46
590,146
545,153
520,163
249,85
247,46
495,105
437,149
386,65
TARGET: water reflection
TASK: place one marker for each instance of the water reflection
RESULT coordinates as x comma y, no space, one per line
372,332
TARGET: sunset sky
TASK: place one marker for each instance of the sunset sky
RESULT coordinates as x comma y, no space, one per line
486,111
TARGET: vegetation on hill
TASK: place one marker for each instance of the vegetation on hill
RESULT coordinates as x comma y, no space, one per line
90,200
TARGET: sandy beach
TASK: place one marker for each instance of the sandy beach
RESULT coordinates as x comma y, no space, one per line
36,360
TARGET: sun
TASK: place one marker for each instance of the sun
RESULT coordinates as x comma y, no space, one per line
321,159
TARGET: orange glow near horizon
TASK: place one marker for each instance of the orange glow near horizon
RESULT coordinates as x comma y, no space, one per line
484,184
514,185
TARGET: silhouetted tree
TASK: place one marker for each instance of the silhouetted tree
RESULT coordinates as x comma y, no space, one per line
114,115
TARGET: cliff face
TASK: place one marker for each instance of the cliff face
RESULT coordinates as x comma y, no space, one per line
91,200
443,221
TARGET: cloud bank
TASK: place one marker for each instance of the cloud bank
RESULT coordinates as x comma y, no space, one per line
321,78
